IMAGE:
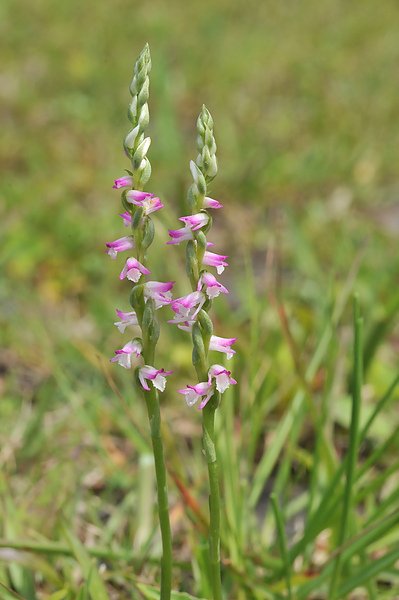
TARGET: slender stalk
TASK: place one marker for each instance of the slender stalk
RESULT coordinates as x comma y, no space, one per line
353,446
208,440
154,417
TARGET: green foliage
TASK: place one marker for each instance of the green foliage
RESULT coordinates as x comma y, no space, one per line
305,108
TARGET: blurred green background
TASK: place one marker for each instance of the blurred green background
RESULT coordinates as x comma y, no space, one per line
304,97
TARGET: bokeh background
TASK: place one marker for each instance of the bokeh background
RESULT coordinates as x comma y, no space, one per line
304,96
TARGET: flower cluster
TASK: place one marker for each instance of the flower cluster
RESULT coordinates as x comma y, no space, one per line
146,297
191,310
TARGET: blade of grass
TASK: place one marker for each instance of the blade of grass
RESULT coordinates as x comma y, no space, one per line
354,439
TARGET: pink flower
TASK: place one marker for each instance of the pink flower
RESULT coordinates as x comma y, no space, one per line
159,291
126,181
123,243
134,196
127,319
157,376
211,203
149,203
180,235
127,218
133,270
222,345
221,376
201,391
195,222
124,356
211,259
212,287
187,307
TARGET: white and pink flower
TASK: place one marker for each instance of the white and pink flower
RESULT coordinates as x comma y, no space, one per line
211,203
221,344
122,182
156,376
180,235
119,245
159,291
124,356
148,202
196,221
218,377
201,391
187,308
211,286
211,259
222,378
127,319
133,270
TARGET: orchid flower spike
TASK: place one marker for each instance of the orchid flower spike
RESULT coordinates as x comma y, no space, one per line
124,356
156,376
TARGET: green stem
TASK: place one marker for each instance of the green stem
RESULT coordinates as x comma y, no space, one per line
208,440
353,446
154,416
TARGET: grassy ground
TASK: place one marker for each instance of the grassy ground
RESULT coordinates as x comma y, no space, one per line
304,100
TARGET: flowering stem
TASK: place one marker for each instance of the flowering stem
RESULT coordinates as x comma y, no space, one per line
208,441
145,298
154,417
191,314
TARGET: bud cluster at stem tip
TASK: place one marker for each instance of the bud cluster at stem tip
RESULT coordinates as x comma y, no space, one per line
136,144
